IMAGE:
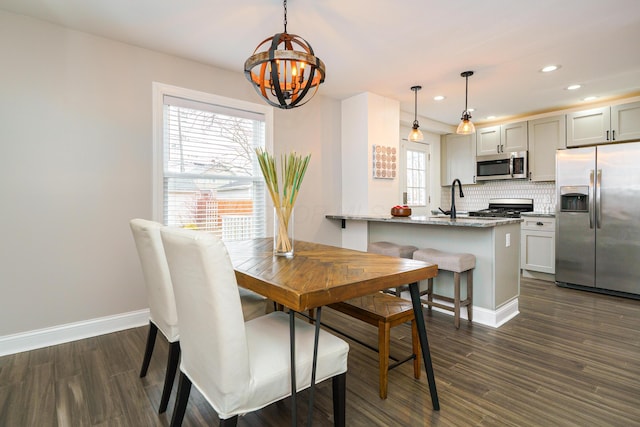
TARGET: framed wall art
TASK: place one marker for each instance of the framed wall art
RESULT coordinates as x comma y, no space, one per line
384,162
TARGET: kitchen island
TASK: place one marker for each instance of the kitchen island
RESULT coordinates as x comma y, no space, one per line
494,242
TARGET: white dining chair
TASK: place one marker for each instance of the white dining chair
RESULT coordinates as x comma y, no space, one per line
239,367
162,307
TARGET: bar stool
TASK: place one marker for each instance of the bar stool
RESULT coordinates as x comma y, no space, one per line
392,249
456,263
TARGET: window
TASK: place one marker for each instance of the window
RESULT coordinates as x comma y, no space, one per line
207,174
416,185
414,181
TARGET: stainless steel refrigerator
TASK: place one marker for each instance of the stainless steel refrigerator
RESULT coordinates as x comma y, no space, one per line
598,218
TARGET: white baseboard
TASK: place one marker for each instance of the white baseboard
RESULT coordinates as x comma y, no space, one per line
499,317
31,340
484,316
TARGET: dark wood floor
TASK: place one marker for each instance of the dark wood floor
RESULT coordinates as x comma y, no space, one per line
569,358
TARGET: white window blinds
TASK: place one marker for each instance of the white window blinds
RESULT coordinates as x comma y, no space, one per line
211,177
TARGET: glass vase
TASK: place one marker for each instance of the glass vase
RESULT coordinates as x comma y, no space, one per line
283,232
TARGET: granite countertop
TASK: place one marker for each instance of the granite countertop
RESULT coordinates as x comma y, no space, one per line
538,214
461,221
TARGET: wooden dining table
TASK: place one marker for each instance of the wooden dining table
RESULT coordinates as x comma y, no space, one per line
318,275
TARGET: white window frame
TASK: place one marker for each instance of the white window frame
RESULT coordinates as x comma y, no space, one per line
159,90
406,145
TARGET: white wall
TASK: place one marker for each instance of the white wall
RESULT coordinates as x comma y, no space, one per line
367,119
315,129
75,166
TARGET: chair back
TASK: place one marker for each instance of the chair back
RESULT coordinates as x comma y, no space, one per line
212,330
157,280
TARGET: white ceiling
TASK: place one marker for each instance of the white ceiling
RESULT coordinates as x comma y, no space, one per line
385,47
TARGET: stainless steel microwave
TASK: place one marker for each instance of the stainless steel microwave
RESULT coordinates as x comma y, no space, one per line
512,165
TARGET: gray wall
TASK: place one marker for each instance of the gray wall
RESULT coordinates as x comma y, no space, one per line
75,166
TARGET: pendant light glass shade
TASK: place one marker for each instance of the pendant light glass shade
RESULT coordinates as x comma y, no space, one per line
466,126
416,134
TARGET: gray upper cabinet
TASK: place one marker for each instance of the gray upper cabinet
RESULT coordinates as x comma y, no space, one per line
603,125
546,135
625,122
588,127
488,141
457,159
501,139
514,137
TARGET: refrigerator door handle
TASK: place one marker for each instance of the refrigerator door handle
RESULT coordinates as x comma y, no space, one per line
598,199
592,205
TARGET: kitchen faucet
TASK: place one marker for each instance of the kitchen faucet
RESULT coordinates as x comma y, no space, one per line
453,196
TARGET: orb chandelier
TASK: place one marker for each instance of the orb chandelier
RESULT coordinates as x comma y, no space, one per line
466,126
283,69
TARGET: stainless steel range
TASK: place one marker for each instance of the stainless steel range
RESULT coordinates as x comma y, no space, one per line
505,208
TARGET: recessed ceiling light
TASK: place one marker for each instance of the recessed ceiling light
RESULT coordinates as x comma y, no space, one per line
550,68
438,98
574,87
491,117
590,98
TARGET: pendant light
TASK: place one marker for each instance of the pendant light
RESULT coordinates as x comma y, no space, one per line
286,74
416,134
466,126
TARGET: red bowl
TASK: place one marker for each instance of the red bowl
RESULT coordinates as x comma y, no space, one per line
400,211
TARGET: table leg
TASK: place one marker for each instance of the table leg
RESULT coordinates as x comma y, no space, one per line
292,338
292,345
313,366
424,343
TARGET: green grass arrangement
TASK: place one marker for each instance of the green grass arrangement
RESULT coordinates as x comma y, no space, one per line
293,168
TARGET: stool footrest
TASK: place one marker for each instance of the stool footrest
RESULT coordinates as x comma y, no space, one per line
447,299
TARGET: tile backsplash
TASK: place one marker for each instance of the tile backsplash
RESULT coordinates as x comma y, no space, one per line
476,196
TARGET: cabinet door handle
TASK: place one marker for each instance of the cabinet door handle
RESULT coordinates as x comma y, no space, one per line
498,148
607,135
539,223
613,135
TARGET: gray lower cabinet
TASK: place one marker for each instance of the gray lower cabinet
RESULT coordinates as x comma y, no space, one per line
538,244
